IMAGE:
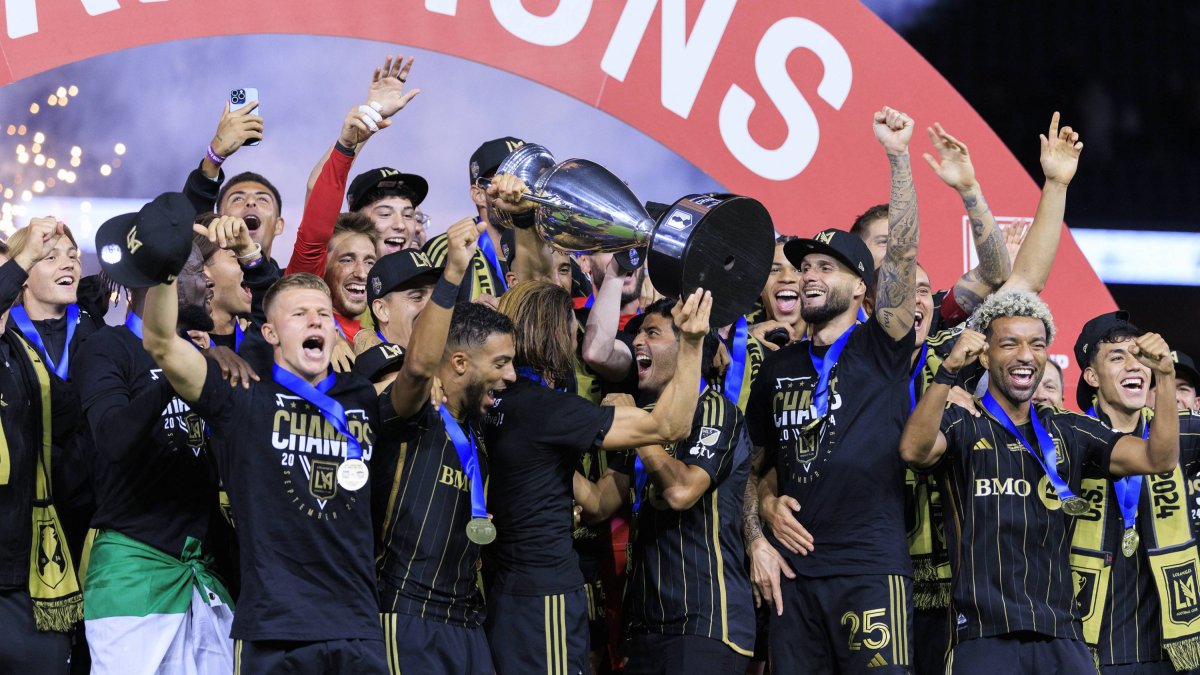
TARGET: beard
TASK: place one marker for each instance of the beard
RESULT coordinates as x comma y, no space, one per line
636,293
473,395
1015,395
837,301
194,317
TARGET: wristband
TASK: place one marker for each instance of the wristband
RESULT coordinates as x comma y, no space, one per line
253,263
944,376
349,152
214,157
445,294
257,250
524,220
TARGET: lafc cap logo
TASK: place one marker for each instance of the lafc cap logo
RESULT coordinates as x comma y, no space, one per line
825,238
513,145
132,241
421,260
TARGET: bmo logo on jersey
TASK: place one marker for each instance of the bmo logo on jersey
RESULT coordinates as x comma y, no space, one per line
994,487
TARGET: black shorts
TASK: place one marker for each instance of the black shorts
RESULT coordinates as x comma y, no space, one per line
1020,653
597,615
931,640
531,634
326,657
657,654
416,645
851,624
23,648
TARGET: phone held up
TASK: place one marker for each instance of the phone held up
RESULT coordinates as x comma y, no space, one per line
239,98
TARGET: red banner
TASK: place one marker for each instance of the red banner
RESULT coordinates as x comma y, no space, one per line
774,100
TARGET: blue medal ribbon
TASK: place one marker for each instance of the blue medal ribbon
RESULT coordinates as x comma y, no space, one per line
330,409
21,317
134,323
862,315
737,361
469,458
238,335
385,340
590,301
1048,455
536,377
639,482
912,381
489,253
824,366
1129,488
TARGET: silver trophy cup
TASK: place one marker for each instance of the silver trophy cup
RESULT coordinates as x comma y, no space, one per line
723,243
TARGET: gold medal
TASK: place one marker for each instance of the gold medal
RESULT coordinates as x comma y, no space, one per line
1129,542
481,531
352,474
1075,506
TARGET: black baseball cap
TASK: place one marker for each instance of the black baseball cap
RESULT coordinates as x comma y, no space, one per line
384,178
1185,367
394,270
1087,342
487,157
379,360
848,248
150,247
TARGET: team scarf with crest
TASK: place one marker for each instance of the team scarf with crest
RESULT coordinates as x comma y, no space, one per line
53,584
926,540
1170,548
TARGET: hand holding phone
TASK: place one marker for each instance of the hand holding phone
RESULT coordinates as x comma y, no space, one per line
245,99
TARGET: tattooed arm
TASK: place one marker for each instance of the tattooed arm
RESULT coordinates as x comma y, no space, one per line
751,523
1059,159
895,289
955,169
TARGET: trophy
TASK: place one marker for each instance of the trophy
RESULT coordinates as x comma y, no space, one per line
722,242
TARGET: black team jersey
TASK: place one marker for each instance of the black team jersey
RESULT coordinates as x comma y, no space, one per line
426,564
1008,538
687,575
153,476
1132,632
306,544
844,471
534,437
482,278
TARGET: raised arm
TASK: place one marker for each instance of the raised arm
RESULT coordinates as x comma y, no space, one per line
1060,149
1160,452
183,365
955,169
895,291
922,443
410,390
602,351
671,420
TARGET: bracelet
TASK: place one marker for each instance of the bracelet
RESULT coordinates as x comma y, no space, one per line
445,294
337,145
253,263
214,157
257,250
946,377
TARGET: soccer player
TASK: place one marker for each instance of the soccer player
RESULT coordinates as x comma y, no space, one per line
781,302
1127,617
824,415
390,199
291,450
430,506
687,602
1051,387
152,599
1186,381
40,601
399,287
534,433
1013,487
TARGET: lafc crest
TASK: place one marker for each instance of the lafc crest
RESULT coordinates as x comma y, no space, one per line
1183,601
51,565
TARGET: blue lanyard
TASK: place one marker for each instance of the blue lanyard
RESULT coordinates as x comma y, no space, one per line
824,366
590,301
533,375
385,340
862,314
737,361
912,381
238,336
469,458
489,252
1129,488
330,409
21,317
134,323
1047,458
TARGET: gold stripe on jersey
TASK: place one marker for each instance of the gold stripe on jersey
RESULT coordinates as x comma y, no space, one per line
388,619
716,528
237,657
435,250
388,523
5,469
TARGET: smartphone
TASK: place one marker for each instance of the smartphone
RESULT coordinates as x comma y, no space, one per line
239,98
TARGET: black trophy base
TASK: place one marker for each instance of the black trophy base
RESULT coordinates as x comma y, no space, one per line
722,243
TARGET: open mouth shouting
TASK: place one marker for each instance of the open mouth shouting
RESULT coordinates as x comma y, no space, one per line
356,291
253,222
394,243
919,319
813,294
644,362
1134,384
786,301
1022,377
313,347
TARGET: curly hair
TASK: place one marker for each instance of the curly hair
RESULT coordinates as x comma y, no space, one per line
1009,304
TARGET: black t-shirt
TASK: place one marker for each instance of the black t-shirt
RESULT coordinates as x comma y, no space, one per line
307,564
687,576
845,471
153,477
1008,537
422,501
1132,631
534,436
